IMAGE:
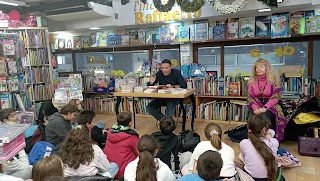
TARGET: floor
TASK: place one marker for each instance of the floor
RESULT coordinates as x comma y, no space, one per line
309,171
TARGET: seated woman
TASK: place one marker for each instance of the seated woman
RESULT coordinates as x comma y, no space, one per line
264,94
81,157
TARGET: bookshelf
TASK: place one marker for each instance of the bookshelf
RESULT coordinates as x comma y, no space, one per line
36,68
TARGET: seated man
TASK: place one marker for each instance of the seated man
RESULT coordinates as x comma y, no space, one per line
171,78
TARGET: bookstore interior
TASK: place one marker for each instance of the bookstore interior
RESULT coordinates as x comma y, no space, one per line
90,50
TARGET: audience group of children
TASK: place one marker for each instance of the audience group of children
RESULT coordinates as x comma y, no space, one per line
84,149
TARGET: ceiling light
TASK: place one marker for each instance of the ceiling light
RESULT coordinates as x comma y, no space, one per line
13,3
264,10
94,28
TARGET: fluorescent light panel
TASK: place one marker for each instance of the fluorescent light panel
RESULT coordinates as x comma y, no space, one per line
264,10
13,3
94,28
9,3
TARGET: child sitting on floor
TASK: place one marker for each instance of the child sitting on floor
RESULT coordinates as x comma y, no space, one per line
47,167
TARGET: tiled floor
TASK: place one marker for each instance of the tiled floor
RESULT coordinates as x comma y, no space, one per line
309,171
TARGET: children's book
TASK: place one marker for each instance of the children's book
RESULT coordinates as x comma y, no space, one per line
174,32
3,84
93,40
220,30
101,39
280,25
165,36
192,32
113,40
297,23
198,70
13,83
247,27
263,26
311,23
133,36
8,47
12,66
5,101
69,42
184,33
233,28
3,66
77,42
210,33
85,41
61,43
119,32
234,89
153,35
124,39
201,32
185,71
142,36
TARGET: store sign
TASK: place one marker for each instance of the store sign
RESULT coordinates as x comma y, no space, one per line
287,50
148,13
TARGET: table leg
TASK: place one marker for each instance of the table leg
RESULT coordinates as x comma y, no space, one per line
193,111
184,114
117,104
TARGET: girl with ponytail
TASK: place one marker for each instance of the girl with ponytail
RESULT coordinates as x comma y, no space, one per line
146,167
213,134
259,151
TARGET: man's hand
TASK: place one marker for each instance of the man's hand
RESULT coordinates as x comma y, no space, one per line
169,86
152,79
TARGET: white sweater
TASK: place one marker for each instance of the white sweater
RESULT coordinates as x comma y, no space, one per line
99,163
227,155
163,172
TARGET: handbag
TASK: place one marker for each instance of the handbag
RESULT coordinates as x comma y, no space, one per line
308,146
188,140
238,133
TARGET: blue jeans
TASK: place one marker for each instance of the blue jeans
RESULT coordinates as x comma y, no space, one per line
154,106
112,172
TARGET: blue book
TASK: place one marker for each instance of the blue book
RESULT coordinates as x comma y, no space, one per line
184,33
219,32
185,71
280,25
113,40
263,26
198,70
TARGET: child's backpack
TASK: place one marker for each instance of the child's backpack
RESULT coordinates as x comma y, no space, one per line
39,134
238,133
188,140
40,150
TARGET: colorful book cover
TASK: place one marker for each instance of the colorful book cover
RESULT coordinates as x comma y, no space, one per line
125,40
101,39
165,36
210,33
184,33
297,23
3,66
5,101
12,66
119,31
13,83
3,84
174,32
234,89
220,30
113,40
8,47
142,36
93,40
69,42
233,28
247,27
85,41
311,23
61,43
153,35
133,36
192,33
77,42
263,26
280,25
198,70
185,71
201,32
317,17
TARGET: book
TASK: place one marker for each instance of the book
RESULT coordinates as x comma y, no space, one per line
77,44
125,40
61,43
101,39
85,41
3,84
12,66
184,33
233,28
3,66
297,23
210,33
69,42
13,83
8,47
133,36
174,32
5,101
201,32
113,40
247,27
153,35
220,30
165,36
234,89
198,70
93,40
263,26
280,25
142,36
311,23
192,32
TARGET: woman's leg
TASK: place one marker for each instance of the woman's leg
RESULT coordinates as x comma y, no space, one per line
272,118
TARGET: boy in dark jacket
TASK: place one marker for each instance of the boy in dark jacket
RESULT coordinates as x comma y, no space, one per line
60,124
168,142
121,145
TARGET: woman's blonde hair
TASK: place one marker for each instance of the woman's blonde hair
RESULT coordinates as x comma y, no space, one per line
46,167
271,75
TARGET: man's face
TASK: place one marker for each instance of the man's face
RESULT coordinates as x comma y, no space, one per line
166,69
